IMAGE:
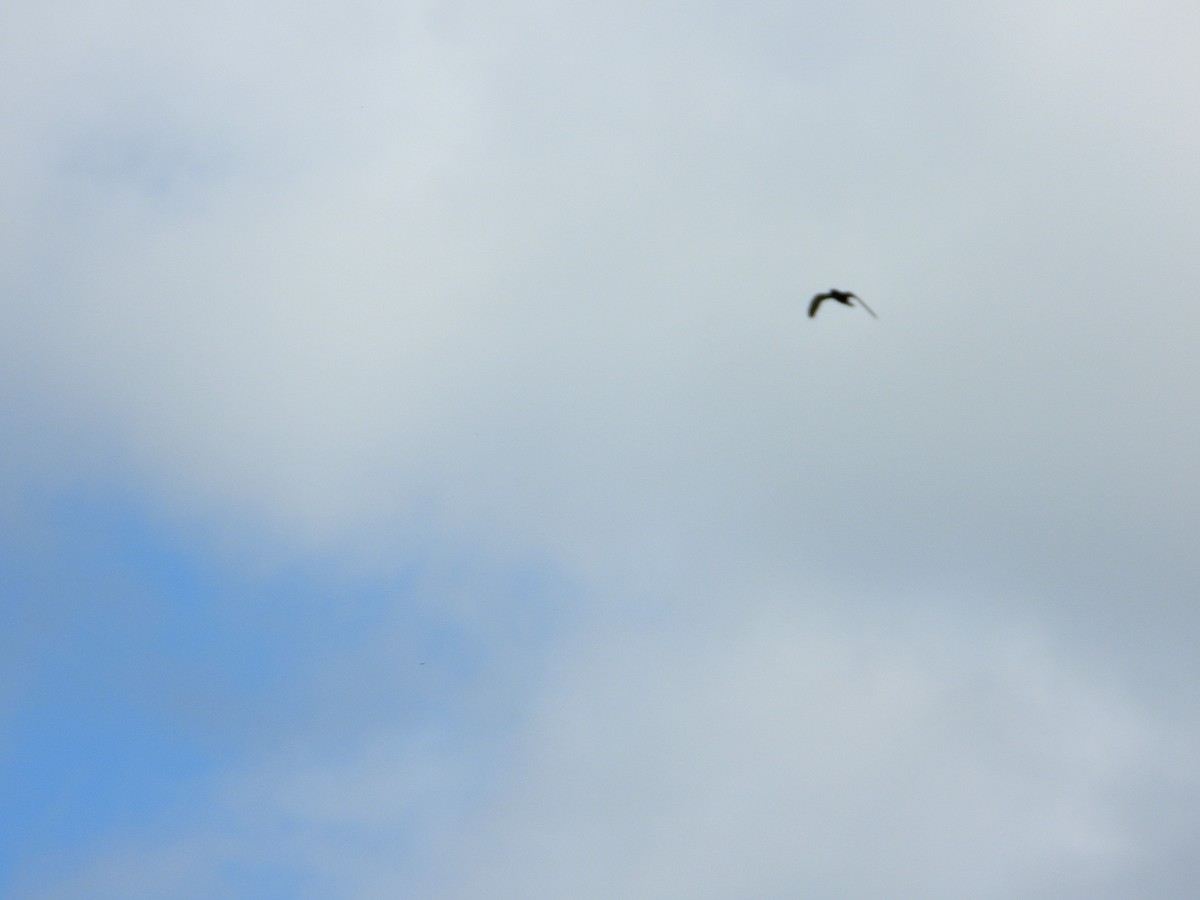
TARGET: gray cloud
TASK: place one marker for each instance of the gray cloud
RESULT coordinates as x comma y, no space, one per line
534,279
783,755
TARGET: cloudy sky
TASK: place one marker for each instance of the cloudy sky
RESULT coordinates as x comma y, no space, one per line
420,477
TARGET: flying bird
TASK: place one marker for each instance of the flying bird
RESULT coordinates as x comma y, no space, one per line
840,297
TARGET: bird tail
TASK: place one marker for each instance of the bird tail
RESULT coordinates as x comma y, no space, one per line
864,306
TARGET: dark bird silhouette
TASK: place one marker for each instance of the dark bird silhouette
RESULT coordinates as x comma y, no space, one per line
840,297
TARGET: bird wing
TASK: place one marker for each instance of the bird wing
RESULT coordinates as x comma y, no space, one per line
864,305
816,301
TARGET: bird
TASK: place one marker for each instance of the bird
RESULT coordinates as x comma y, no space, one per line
840,297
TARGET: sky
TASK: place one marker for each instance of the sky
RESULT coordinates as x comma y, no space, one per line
421,478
